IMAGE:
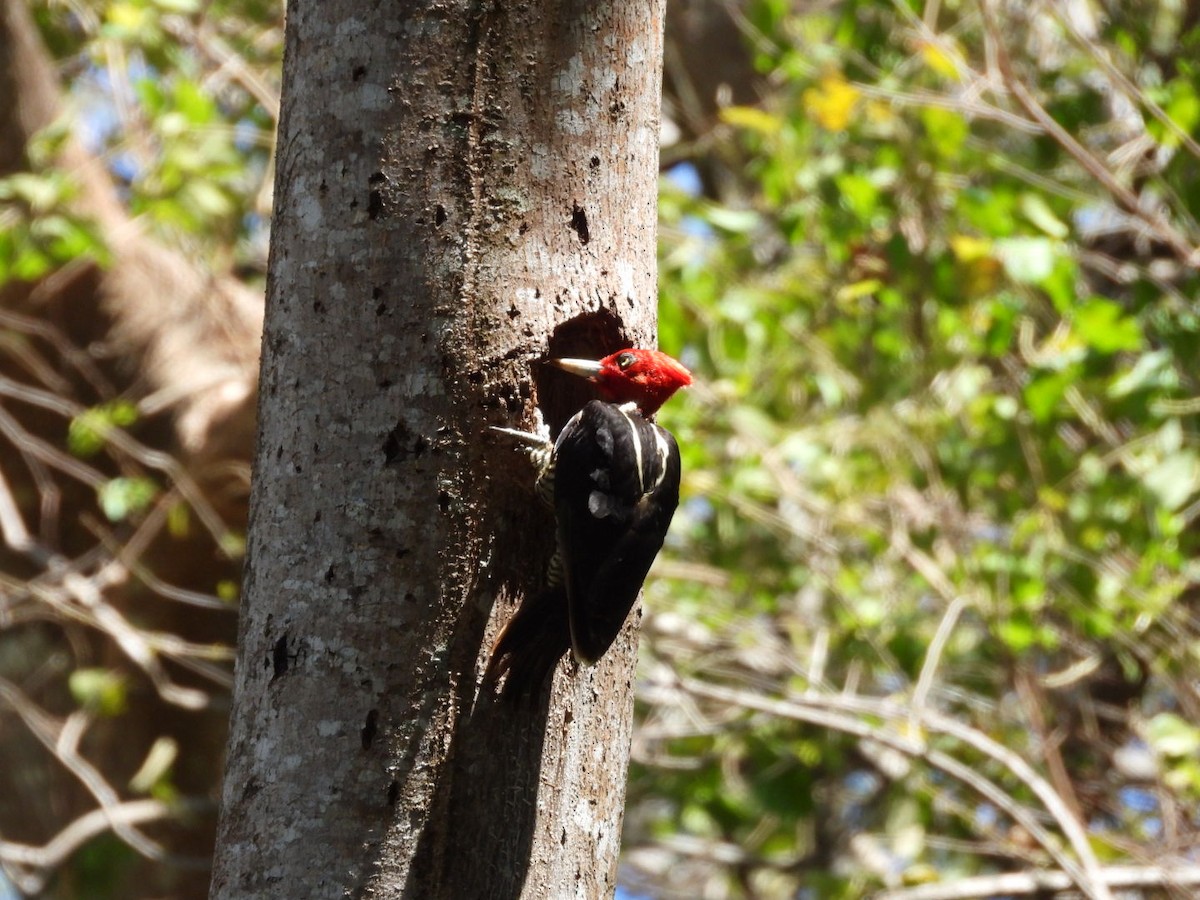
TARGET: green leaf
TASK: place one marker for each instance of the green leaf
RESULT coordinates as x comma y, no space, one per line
185,7
233,545
129,21
1152,370
1018,632
1174,480
41,192
101,691
155,770
1027,260
1172,735
858,194
736,221
206,200
947,130
122,497
1037,210
1044,393
179,520
850,292
1103,326
1179,101
88,432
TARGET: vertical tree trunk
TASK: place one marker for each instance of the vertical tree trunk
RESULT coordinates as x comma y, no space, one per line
462,186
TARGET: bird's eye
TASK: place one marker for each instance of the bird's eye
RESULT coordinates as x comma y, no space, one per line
625,360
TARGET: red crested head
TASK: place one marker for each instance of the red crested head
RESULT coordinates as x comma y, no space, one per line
645,377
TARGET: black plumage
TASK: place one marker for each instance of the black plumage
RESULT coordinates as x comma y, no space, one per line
613,480
616,487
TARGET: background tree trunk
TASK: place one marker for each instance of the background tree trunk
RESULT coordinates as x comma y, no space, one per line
460,191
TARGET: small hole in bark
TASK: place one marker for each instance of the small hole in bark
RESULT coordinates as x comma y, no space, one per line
375,197
370,729
391,447
280,658
579,224
587,336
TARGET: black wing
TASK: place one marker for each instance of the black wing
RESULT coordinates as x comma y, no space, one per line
616,486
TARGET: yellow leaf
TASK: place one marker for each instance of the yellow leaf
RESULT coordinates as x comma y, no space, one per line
941,58
751,118
129,16
980,269
969,249
832,102
851,292
879,113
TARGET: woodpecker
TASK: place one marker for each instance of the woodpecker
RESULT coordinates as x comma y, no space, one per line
612,479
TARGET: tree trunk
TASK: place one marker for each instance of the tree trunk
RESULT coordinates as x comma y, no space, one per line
462,189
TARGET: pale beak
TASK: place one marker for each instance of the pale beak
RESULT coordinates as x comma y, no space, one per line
586,368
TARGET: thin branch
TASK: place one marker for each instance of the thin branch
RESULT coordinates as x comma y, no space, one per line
43,451
1124,197
817,709
80,831
81,362
128,555
154,459
229,63
1038,883
62,740
933,655
80,597
1104,60
12,526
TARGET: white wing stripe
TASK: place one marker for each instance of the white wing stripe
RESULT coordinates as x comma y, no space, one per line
637,449
660,442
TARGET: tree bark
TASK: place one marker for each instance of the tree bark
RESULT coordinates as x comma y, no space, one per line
462,189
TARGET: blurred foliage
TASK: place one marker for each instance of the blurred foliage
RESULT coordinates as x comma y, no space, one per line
116,559
180,97
121,498
938,287
943,365
99,690
88,432
38,232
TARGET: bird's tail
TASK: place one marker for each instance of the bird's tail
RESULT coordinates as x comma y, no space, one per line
531,644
